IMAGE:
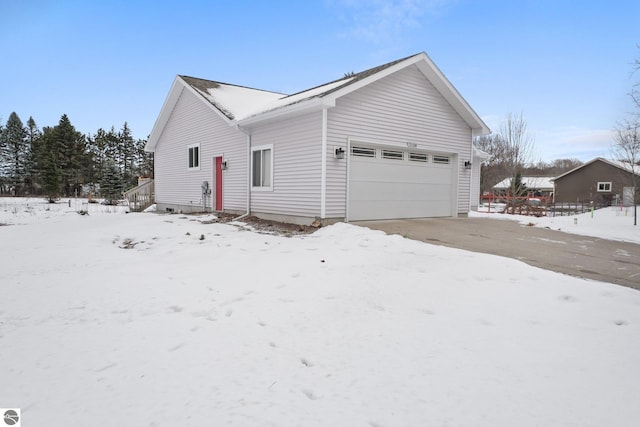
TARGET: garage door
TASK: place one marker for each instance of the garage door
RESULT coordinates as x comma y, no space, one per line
387,183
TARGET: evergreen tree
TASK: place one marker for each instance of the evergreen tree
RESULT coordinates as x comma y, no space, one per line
126,146
72,155
2,163
111,186
15,152
143,160
49,164
519,189
32,167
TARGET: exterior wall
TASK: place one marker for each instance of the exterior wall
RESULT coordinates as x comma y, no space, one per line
582,184
399,109
178,187
474,198
297,145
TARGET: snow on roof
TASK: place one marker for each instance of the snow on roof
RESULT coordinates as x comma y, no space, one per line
533,182
233,101
239,102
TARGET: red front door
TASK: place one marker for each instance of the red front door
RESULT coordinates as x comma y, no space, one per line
218,181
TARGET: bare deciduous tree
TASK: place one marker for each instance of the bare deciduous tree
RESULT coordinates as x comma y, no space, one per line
626,148
518,146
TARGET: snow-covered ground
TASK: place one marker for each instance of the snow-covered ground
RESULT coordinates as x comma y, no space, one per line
117,319
613,223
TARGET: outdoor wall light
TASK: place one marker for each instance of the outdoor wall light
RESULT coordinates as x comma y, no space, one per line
223,165
467,164
339,153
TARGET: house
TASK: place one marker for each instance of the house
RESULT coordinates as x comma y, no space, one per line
394,141
601,181
536,185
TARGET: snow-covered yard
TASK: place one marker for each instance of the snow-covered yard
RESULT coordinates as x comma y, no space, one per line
613,223
116,319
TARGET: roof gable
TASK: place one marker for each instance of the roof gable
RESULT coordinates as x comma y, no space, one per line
244,106
624,166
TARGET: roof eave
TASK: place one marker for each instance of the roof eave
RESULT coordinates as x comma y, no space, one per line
306,106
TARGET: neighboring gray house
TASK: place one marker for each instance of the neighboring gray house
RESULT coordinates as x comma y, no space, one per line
394,141
600,180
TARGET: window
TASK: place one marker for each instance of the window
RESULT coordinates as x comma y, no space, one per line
418,157
363,151
261,168
604,186
443,160
194,156
392,155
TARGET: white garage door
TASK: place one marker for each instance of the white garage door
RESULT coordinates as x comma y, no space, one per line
387,183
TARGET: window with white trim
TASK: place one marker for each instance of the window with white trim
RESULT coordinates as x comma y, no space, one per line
262,167
604,186
194,156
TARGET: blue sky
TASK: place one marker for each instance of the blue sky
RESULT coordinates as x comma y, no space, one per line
566,65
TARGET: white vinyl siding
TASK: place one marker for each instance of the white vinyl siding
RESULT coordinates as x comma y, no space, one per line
193,123
402,109
297,145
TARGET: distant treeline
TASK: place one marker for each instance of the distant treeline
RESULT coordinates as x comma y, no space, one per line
60,161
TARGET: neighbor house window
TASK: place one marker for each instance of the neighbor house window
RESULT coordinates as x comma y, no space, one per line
262,167
604,186
194,156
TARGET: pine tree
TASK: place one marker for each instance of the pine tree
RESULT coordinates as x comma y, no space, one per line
32,167
49,164
72,155
127,155
518,188
143,160
111,186
15,152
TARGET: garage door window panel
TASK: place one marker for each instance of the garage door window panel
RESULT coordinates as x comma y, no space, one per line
358,151
392,155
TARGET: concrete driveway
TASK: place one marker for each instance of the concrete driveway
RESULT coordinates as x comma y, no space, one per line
582,256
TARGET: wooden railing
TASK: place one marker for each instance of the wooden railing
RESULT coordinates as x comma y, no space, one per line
140,197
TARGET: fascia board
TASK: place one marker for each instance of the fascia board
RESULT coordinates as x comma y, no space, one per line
167,108
372,78
576,168
435,76
453,97
165,112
